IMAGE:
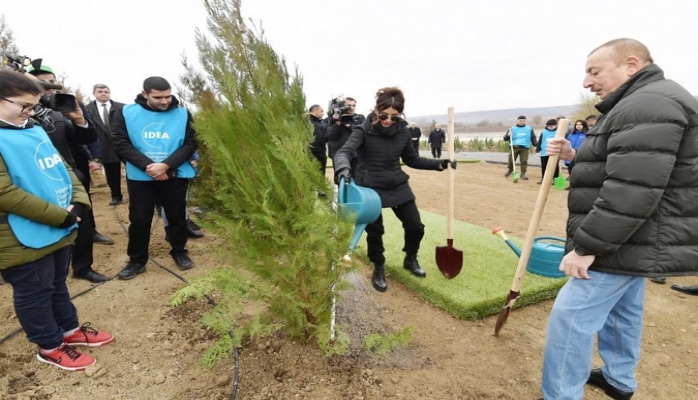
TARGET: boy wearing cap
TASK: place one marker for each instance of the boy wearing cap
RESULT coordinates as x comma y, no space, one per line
547,134
522,138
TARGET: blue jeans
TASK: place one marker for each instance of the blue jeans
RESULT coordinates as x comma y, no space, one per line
41,299
609,305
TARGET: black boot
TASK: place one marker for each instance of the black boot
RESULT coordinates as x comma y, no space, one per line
378,280
412,264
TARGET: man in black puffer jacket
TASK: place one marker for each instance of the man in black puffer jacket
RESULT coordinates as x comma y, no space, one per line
632,214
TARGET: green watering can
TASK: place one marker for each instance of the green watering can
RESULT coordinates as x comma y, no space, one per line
360,203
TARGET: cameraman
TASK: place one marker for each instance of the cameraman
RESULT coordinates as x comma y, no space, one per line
341,125
68,135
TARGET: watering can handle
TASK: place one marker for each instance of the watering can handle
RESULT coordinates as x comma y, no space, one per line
559,239
342,190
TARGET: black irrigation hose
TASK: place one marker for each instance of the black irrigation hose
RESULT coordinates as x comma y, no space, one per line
236,357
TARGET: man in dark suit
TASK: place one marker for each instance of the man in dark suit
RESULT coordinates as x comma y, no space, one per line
101,109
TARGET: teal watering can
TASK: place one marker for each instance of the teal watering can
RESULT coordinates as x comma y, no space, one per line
546,254
360,203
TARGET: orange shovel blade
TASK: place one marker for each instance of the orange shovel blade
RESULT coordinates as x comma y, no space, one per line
449,260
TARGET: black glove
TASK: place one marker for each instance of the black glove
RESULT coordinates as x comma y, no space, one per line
446,163
70,220
344,173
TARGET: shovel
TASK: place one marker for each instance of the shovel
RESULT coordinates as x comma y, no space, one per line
531,233
449,259
514,174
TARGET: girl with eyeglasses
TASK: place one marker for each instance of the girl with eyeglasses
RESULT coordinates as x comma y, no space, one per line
40,200
379,144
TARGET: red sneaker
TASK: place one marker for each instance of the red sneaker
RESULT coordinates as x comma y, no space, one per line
88,336
66,357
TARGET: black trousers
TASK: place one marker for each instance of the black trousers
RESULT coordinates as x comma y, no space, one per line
143,195
112,171
544,165
436,151
83,249
408,214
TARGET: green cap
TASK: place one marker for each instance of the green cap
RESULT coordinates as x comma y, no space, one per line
37,68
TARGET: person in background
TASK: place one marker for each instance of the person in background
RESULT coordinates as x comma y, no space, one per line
522,137
70,133
576,138
416,134
157,170
193,229
437,137
547,134
379,145
40,202
102,109
318,147
340,126
632,215
591,120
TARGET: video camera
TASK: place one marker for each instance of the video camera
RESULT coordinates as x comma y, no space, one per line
338,106
61,102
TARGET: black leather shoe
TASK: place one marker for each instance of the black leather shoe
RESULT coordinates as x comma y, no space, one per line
692,290
192,225
411,264
101,239
597,379
130,271
91,275
115,201
658,279
183,261
194,234
378,279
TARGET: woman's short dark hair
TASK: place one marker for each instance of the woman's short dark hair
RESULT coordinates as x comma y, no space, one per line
17,84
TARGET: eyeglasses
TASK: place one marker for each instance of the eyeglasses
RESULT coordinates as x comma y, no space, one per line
26,108
384,116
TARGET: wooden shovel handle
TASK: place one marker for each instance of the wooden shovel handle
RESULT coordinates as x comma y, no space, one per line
451,175
538,209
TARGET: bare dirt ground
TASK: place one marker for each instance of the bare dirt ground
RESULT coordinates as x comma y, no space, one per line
157,347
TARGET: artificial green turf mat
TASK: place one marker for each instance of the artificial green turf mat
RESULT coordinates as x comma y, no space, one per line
488,269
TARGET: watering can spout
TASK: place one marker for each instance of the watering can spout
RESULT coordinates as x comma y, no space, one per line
358,230
500,232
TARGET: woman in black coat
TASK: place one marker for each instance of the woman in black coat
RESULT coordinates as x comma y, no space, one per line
379,144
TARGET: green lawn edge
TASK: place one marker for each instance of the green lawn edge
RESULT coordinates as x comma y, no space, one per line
485,279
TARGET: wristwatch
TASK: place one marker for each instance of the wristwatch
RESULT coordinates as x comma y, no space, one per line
580,252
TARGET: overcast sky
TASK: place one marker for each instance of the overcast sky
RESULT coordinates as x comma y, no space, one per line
472,55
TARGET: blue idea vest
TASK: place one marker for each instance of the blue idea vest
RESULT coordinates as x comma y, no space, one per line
521,135
544,137
157,134
36,167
